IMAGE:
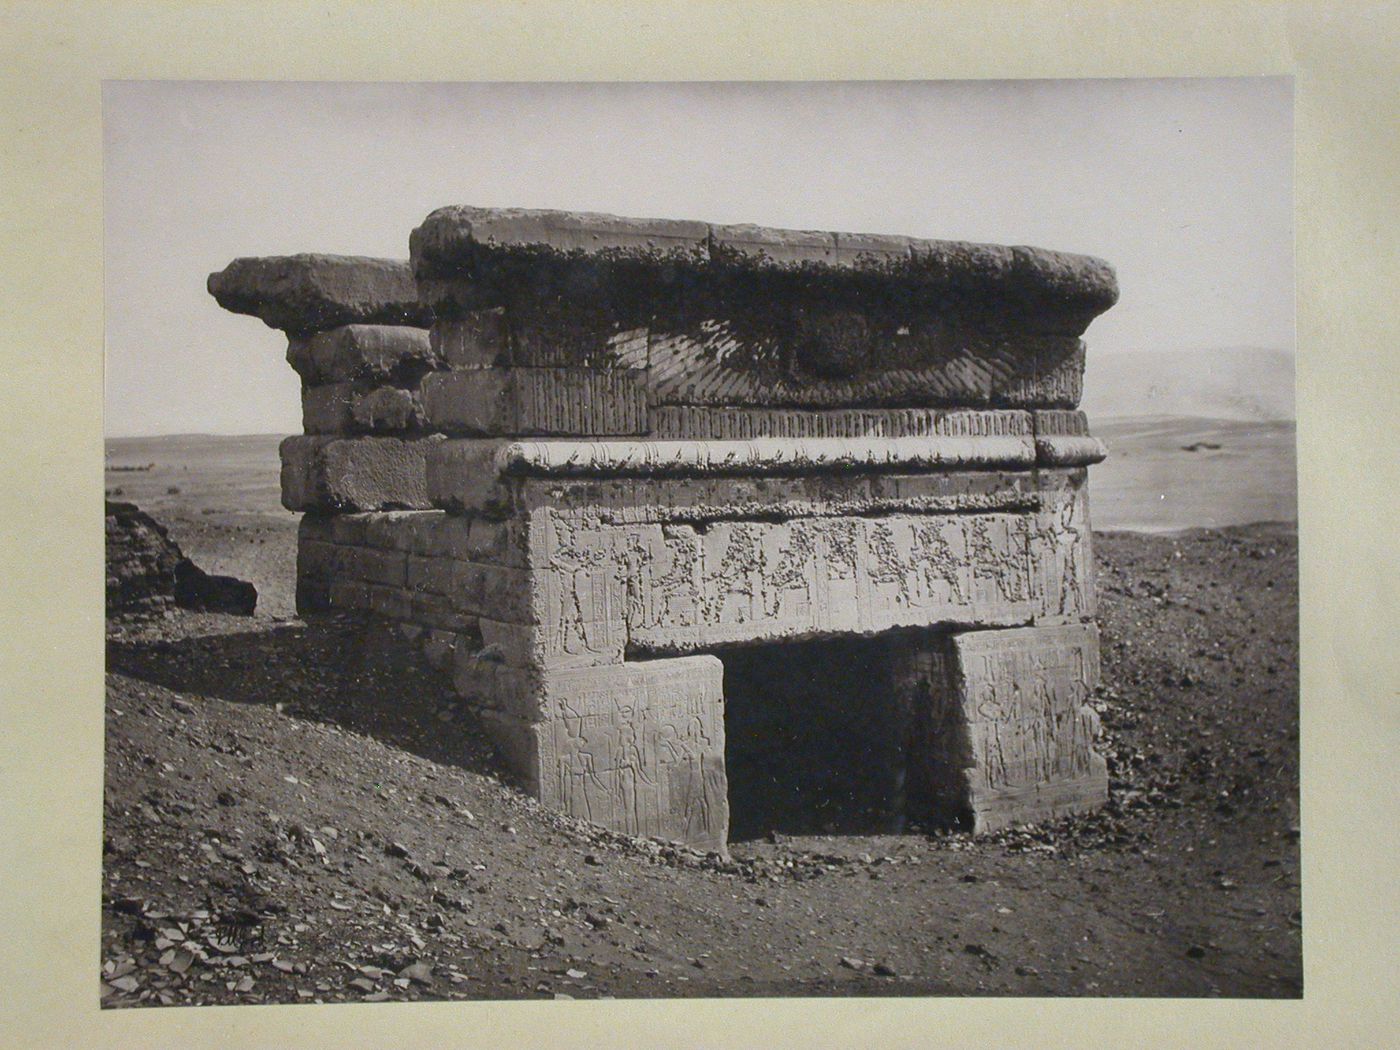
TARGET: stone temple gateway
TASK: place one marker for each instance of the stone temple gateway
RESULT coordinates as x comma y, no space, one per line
577,455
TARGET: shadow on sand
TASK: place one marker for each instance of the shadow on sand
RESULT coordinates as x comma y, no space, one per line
809,749
356,675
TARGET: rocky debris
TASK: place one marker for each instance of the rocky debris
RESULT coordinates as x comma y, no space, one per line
269,799
148,573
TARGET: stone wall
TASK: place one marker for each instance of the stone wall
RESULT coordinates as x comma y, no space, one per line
623,445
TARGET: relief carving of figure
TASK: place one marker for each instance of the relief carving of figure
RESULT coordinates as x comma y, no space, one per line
577,768
630,774
582,574
741,573
934,559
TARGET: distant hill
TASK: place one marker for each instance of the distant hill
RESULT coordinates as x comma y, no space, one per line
1240,383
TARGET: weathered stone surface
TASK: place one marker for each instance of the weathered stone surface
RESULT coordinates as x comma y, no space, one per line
1063,548
355,474
651,499
1004,731
473,340
535,401
359,408
1061,450
383,353
327,408
671,440
141,561
688,422
679,589
308,293
555,589
387,409
639,747
460,468
734,315
451,237
711,368
453,241
1062,439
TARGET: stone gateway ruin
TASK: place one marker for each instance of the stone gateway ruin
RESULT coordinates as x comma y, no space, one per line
584,459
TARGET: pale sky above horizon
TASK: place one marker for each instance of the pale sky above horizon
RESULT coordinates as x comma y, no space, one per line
1185,186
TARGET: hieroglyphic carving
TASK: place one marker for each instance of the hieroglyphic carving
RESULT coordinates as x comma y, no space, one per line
1062,548
696,436
1030,733
639,748
578,582
680,588
1000,729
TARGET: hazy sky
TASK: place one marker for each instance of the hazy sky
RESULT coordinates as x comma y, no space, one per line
1184,185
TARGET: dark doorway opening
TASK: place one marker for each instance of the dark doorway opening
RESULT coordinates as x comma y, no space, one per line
815,741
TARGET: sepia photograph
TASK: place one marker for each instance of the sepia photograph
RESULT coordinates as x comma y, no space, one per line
699,540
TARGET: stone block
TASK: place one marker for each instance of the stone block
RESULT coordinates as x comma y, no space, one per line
452,236
745,581
409,531
480,339
695,500
638,748
393,603
535,401
463,477
762,245
872,250
370,564
375,353
327,408
833,318
425,575
315,558
348,408
387,409
1062,549
307,293
496,542
498,591
436,611
931,365
461,467
348,595
355,474
554,335
1059,422
1007,732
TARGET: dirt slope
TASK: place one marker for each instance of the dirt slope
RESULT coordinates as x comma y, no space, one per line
302,813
